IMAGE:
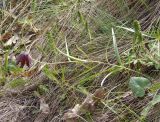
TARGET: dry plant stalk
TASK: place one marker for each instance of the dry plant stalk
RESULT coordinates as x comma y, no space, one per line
88,105
44,111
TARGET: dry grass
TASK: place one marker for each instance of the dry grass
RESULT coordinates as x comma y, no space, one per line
46,26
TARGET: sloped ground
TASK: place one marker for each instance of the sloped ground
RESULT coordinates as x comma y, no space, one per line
71,48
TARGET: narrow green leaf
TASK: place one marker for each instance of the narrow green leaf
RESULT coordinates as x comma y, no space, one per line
116,48
155,87
145,111
133,31
6,62
17,83
138,35
50,74
81,18
88,30
67,50
33,5
82,90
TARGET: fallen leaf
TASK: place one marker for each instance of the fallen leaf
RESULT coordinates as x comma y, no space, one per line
44,107
30,73
6,36
88,105
126,94
2,52
12,40
73,113
99,94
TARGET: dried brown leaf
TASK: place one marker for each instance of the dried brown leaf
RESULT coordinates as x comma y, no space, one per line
99,94
12,41
6,36
73,113
87,105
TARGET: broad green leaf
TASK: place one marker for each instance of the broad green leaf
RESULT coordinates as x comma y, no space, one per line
138,85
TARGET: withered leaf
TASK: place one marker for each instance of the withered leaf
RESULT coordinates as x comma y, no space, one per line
44,107
6,36
12,41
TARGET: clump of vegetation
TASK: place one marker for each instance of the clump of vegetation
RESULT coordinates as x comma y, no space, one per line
79,60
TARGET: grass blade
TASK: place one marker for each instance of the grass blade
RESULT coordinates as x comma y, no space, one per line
67,50
133,31
116,48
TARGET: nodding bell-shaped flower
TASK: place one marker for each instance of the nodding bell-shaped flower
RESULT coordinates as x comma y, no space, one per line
23,59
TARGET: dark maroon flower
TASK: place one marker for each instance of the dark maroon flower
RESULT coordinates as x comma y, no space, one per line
23,58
